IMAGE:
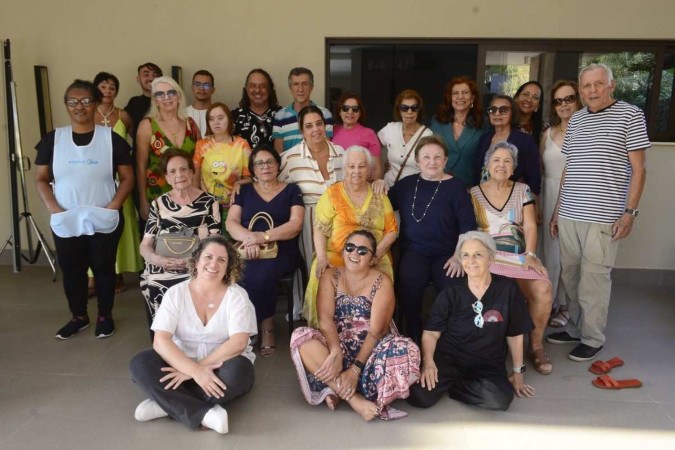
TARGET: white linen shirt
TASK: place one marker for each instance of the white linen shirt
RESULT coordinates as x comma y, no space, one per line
178,316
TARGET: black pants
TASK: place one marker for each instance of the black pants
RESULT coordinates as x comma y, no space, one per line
188,403
487,388
77,254
413,275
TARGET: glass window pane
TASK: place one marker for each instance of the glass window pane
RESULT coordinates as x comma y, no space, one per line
664,114
505,71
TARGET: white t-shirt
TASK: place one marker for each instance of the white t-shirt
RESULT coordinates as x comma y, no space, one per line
391,136
199,116
177,315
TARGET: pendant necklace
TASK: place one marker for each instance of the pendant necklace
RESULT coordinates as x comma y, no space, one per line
412,211
106,122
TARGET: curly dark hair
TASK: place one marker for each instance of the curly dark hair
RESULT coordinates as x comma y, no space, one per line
235,265
245,102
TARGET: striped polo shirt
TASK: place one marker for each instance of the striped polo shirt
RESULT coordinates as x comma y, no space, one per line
299,167
286,126
598,170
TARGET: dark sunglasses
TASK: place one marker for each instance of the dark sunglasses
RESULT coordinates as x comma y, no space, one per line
565,100
161,95
346,108
360,249
406,108
501,110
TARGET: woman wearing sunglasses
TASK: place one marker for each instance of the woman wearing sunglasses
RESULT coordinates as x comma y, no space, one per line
469,330
528,169
434,209
349,130
283,202
165,127
459,121
565,101
356,354
346,206
505,209
400,137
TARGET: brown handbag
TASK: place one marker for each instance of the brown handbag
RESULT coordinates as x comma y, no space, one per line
267,251
178,244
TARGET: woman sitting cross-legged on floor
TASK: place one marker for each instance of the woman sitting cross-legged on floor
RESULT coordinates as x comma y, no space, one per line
356,354
469,328
201,356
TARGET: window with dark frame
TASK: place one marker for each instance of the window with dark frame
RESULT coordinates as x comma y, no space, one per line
378,69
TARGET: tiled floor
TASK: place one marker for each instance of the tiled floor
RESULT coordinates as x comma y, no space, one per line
77,394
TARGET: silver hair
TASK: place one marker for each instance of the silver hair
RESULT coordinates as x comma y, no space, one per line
154,110
359,149
480,236
505,145
595,66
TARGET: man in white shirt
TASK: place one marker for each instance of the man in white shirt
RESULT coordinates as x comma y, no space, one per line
202,90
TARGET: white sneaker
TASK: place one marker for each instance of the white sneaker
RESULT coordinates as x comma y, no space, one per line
148,410
216,419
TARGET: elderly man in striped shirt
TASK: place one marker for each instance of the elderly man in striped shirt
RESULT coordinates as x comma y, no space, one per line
600,190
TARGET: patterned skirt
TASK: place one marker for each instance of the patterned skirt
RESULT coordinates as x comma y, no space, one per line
391,369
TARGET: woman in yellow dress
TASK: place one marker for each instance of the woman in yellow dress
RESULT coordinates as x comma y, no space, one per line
345,207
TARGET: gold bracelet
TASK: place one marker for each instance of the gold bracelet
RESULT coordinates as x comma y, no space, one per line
356,370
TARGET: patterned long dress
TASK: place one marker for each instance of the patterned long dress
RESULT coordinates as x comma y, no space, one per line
202,216
159,143
393,366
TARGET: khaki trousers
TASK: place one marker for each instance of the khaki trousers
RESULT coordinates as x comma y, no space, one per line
587,256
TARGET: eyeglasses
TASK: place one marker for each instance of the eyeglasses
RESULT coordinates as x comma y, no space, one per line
565,100
161,95
86,101
406,108
199,85
361,249
498,110
527,95
346,108
267,163
478,309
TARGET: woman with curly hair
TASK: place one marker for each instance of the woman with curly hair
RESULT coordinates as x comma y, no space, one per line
201,356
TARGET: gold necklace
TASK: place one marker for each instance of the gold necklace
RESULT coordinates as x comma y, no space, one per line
105,120
560,129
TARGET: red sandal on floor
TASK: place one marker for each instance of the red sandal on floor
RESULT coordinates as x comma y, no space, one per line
603,367
607,382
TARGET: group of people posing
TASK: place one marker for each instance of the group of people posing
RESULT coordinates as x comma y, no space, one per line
262,193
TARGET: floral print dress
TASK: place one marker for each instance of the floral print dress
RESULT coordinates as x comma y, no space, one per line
159,143
393,366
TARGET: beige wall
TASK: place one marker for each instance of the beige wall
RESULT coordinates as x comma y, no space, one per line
231,37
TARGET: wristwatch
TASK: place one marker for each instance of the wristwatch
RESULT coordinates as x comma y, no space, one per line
267,237
520,369
359,364
632,211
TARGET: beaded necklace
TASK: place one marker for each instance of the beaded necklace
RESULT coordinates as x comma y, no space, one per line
412,211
